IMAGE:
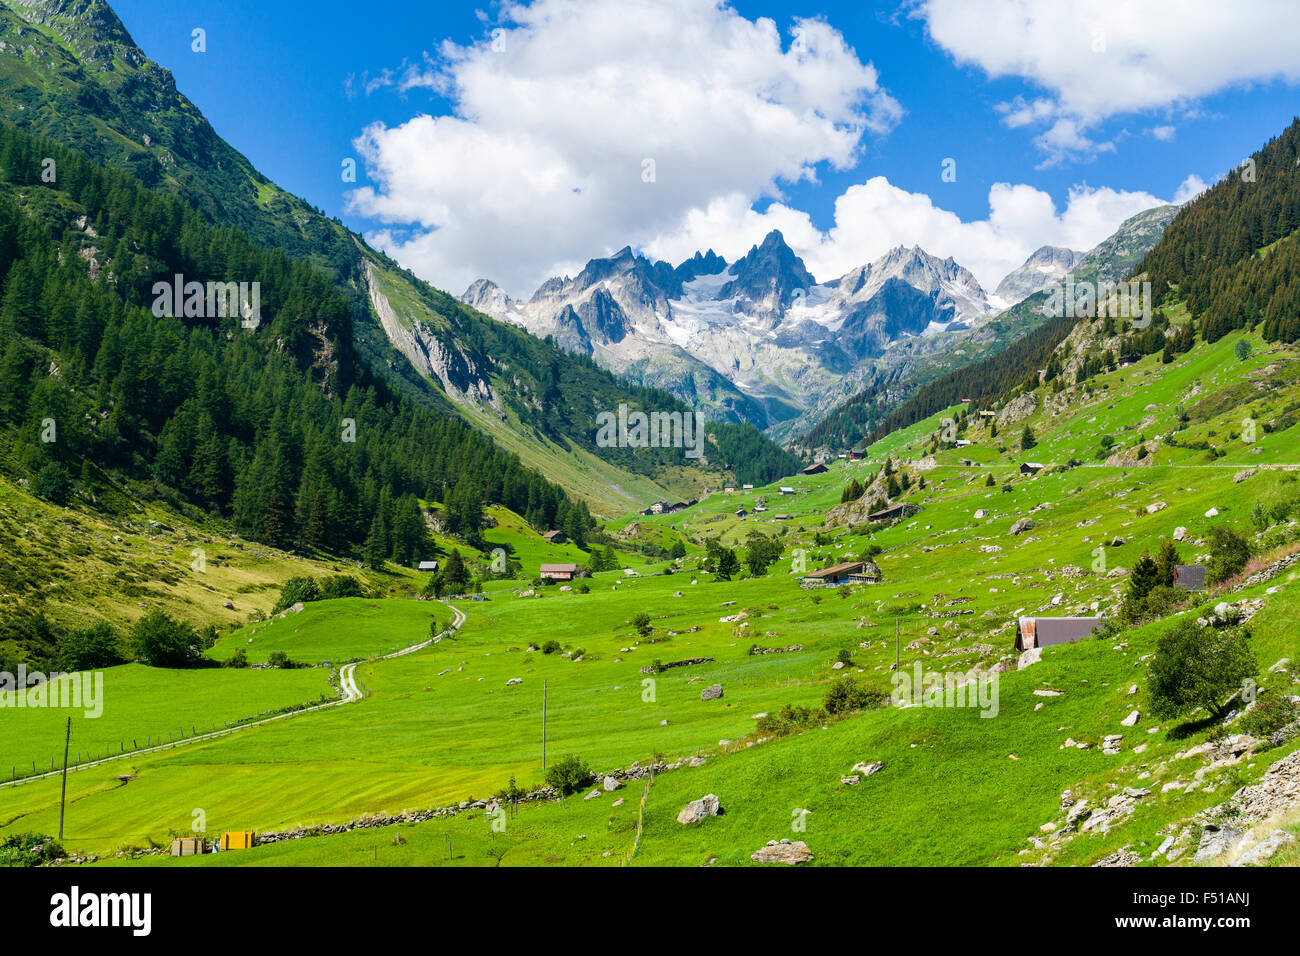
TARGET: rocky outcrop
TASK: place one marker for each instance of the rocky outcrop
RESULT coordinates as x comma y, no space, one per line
430,356
1018,409
783,852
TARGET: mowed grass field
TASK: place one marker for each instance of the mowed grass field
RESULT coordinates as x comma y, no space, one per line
443,725
334,631
141,705
956,789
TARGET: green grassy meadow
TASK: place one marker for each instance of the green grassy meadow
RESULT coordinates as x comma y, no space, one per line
443,725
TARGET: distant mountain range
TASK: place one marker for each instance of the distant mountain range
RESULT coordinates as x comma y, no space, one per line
760,340
906,375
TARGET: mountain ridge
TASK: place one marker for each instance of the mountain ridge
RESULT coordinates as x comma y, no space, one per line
123,109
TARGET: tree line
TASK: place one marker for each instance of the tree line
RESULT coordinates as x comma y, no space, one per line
281,429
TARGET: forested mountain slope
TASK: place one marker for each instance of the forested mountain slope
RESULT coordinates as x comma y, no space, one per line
69,71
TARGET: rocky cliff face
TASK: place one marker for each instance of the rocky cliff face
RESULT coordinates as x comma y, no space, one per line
429,355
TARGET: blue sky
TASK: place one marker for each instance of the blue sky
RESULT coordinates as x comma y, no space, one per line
1029,102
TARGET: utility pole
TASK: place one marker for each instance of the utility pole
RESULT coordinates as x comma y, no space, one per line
543,728
63,797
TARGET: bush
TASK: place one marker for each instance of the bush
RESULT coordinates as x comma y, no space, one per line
568,775
237,659
1198,668
1272,712
1229,553
846,695
280,659
790,719
89,649
295,591
1161,602
845,657
159,641
552,647
29,849
340,586
642,624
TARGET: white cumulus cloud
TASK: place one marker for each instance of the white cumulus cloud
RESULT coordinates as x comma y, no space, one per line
1104,58
582,125
873,217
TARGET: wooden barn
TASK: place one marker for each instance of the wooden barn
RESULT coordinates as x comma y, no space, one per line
850,572
558,572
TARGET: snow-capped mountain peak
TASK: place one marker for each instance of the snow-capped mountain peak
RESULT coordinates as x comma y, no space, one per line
758,339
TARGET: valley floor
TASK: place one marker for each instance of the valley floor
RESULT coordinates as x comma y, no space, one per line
453,724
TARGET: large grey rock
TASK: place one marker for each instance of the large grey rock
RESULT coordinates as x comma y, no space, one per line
712,692
1266,849
701,809
1215,841
1023,525
783,852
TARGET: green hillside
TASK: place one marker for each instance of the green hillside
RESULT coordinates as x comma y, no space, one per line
70,73
246,585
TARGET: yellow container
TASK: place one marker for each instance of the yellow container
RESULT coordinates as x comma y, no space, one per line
237,840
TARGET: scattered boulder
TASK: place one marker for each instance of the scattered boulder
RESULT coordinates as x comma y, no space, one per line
783,852
867,769
697,810
1132,719
1023,525
611,784
712,692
